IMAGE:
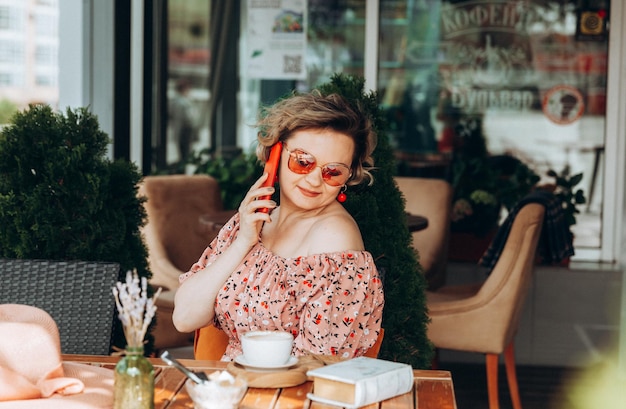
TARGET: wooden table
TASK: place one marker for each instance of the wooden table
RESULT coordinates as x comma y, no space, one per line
433,164
432,389
415,222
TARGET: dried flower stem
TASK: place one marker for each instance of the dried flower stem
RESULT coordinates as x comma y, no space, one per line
134,308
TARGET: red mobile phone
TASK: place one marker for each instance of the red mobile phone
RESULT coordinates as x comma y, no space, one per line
271,168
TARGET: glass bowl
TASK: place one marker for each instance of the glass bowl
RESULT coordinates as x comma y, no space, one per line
216,394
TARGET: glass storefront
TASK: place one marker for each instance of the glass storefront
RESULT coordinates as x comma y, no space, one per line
531,75
529,78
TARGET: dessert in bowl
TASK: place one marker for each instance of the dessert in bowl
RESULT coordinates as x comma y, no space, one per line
221,391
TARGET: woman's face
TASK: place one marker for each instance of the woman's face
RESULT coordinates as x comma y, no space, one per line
310,190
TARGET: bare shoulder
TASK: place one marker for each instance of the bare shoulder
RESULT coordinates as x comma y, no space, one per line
335,232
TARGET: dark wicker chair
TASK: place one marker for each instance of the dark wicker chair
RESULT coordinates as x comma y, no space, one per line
77,294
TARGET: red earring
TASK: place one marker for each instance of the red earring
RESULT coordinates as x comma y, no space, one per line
341,197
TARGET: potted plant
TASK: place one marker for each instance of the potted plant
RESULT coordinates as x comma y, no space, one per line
475,208
62,199
483,186
475,204
564,188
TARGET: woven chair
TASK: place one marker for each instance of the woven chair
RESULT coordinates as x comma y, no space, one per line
77,294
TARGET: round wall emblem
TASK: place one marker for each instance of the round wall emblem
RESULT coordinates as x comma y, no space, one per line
563,104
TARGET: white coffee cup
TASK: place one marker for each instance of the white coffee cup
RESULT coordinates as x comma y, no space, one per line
266,348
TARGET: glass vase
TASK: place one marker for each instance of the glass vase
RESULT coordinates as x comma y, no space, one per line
134,381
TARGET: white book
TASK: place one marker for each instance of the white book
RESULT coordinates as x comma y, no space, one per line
360,381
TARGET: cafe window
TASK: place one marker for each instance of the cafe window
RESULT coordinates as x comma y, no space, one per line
187,57
45,80
7,79
11,52
46,23
46,55
531,74
10,17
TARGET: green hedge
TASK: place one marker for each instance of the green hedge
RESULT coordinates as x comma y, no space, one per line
62,199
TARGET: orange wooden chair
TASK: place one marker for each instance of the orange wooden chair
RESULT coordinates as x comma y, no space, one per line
209,343
375,349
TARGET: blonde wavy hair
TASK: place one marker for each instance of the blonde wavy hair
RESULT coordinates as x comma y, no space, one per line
313,110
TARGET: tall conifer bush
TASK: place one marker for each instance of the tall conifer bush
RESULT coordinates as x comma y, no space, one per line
379,212
62,199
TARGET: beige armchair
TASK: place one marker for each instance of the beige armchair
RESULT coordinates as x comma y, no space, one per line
431,198
484,317
185,213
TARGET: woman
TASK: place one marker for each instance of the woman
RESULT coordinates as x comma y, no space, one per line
302,266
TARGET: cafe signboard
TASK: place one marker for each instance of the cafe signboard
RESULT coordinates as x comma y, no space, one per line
510,56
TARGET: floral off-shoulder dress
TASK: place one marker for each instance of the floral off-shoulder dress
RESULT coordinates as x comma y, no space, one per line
332,302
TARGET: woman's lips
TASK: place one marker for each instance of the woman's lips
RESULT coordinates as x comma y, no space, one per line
308,193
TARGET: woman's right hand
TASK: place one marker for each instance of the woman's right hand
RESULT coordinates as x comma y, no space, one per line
195,298
250,218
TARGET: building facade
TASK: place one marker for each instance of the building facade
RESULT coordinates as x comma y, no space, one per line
29,47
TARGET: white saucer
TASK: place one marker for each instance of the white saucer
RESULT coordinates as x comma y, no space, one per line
241,360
